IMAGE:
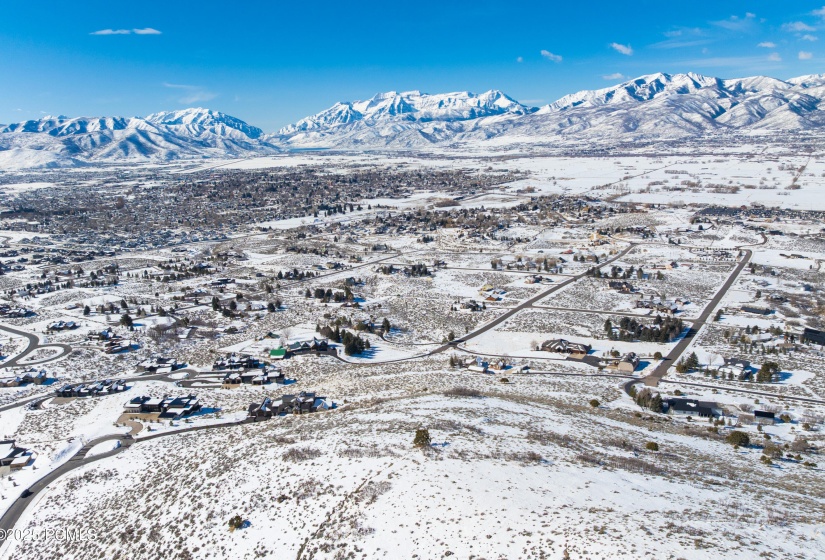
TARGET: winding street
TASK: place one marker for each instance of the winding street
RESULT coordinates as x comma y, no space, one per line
80,459
34,345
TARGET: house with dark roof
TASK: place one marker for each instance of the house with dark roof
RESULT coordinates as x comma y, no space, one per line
692,407
764,417
165,407
756,310
813,336
302,403
620,286
94,389
13,457
562,346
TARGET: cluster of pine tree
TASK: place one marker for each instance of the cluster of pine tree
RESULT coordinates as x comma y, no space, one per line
353,343
646,399
417,270
295,274
686,364
327,296
661,330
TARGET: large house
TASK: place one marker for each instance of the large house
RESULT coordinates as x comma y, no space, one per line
94,389
562,346
620,286
756,310
158,364
692,407
236,361
13,457
628,363
813,336
305,346
253,377
289,404
32,376
165,407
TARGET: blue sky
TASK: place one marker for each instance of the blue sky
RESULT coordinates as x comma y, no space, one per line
271,63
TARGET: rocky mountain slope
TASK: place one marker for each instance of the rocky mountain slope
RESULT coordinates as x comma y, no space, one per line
170,135
649,108
657,106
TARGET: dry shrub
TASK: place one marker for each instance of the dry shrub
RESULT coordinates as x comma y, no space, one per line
298,454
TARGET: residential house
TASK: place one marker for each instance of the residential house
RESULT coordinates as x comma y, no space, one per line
756,310
562,346
620,286
301,403
13,457
158,364
628,363
306,346
692,407
236,361
165,407
93,389
764,417
480,366
813,336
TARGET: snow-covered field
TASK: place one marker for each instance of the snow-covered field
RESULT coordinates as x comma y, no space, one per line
520,465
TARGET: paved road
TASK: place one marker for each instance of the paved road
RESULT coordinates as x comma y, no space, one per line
79,459
746,391
34,344
653,379
15,404
12,515
598,312
50,394
526,304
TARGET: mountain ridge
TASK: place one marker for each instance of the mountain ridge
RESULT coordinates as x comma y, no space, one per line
652,107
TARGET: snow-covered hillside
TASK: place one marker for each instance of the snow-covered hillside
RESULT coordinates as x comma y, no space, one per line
190,133
656,106
649,108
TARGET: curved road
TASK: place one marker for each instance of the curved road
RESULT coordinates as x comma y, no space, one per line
79,459
34,345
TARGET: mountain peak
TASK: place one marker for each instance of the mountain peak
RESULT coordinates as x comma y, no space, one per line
410,106
201,120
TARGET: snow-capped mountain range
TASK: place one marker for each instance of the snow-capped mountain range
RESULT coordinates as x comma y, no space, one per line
653,107
169,135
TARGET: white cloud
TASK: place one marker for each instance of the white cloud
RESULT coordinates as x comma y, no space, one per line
797,26
111,32
520,59
550,56
820,12
767,45
191,94
624,49
810,38
805,55
614,76
144,31
774,57
736,23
